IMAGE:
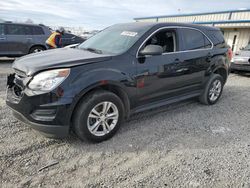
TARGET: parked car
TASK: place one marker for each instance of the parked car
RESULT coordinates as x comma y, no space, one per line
69,39
20,39
124,69
241,60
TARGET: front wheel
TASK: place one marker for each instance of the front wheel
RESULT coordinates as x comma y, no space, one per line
98,116
213,90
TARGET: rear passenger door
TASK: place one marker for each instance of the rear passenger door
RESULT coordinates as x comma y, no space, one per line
163,76
196,54
18,38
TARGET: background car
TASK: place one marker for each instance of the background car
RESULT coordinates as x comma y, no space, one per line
69,39
241,60
20,39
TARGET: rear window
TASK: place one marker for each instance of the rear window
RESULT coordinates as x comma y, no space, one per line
37,30
194,39
1,29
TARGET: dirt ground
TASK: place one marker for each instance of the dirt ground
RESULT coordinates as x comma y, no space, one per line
183,145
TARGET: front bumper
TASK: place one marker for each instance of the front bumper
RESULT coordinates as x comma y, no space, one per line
50,131
47,113
240,67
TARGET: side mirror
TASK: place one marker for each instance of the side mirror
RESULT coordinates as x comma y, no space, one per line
151,50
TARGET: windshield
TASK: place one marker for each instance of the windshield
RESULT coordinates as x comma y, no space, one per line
247,47
115,40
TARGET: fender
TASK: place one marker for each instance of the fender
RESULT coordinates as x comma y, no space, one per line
85,82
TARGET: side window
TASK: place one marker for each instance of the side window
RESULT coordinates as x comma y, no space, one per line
15,30
1,29
164,38
37,30
27,30
194,40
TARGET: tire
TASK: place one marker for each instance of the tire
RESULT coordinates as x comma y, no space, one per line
83,123
206,96
36,49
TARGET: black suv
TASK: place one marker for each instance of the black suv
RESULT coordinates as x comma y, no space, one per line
18,39
125,69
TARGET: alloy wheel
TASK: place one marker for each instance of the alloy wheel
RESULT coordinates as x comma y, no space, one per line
103,118
215,90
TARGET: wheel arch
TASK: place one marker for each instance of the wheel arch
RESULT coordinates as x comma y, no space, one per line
111,87
37,45
223,72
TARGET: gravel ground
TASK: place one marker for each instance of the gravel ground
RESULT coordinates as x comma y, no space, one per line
182,145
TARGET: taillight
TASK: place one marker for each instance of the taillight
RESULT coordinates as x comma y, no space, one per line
230,54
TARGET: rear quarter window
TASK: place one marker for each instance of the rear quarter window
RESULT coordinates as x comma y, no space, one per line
194,39
217,37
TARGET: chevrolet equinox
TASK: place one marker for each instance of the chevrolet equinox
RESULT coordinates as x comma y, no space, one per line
122,70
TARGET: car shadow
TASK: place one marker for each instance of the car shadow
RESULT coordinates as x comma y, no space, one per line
164,128
187,124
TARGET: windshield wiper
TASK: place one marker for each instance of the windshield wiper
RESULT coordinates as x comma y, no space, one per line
93,50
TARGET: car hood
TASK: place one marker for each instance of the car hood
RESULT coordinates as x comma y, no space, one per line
58,58
242,54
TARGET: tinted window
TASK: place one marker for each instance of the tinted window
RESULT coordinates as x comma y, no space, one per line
164,38
27,30
37,30
1,29
217,37
15,30
194,39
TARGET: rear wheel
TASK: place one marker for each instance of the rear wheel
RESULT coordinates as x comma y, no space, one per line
213,90
98,116
36,49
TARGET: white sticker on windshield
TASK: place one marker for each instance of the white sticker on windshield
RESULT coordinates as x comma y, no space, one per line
129,33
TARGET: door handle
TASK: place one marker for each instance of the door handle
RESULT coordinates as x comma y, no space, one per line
2,38
29,38
177,60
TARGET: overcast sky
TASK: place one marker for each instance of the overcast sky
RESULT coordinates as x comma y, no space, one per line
97,14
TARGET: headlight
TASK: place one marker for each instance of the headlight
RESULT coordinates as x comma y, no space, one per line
48,80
